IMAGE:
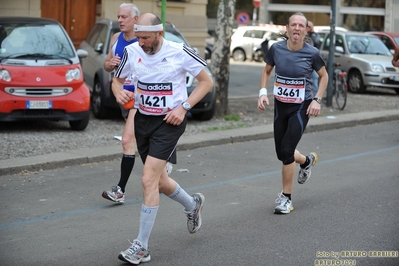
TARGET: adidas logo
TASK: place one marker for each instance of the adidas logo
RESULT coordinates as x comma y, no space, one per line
164,60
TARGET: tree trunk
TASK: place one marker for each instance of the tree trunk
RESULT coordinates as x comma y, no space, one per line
220,66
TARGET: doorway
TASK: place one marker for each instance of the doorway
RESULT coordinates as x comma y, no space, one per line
76,16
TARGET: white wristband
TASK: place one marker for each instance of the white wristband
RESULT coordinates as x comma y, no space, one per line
262,92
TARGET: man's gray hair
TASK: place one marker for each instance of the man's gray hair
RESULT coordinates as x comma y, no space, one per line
134,10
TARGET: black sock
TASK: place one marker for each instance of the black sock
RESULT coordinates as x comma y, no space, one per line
126,169
307,162
287,195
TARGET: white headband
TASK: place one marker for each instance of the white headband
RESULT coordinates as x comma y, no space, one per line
158,27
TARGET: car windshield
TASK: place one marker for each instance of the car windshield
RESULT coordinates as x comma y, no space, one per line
396,40
30,40
366,45
174,38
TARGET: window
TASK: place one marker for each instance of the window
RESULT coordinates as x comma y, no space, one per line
93,34
339,42
255,34
387,42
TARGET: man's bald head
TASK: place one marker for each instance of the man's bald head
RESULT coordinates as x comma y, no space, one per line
149,32
148,19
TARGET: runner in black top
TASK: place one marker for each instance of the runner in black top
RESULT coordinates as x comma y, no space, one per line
294,61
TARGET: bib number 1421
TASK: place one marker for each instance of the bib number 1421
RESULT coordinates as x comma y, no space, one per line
153,101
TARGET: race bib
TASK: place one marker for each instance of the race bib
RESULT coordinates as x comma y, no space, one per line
154,98
289,90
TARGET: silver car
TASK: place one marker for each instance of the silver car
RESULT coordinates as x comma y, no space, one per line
102,99
366,60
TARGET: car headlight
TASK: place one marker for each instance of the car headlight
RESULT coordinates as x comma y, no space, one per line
5,75
72,74
377,68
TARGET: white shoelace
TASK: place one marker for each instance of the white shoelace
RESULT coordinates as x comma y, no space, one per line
281,198
135,245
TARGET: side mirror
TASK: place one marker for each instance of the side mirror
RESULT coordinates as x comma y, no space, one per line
339,49
82,53
99,48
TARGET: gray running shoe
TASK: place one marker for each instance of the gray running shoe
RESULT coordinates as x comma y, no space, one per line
169,167
285,205
304,173
135,254
194,220
115,195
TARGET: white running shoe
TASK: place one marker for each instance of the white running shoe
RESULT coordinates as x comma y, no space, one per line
115,195
285,205
304,173
135,254
194,219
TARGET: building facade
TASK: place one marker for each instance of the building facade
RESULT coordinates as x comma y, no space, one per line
189,16
357,15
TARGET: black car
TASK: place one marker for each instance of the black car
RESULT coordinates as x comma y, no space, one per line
97,45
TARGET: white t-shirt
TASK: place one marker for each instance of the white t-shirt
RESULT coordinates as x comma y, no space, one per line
160,78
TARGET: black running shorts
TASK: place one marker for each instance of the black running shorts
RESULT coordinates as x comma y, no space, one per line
157,138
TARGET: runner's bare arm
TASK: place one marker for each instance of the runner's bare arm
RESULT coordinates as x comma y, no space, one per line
112,61
314,108
264,80
120,94
176,116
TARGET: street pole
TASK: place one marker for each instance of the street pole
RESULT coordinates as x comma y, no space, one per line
254,16
330,66
163,13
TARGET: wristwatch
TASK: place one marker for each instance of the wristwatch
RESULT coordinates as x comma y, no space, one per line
318,100
186,106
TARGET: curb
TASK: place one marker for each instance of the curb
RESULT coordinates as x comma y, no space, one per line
99,154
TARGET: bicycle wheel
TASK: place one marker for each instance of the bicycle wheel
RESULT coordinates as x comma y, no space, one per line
340,92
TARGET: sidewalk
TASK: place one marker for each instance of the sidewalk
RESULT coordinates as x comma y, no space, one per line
57,160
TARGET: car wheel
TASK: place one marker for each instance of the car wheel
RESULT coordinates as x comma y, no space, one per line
355,82
239,55
397,91
205,116
80,125
258,56
97,101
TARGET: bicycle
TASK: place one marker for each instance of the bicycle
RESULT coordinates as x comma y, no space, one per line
340,87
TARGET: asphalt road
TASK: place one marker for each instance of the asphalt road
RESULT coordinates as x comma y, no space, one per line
244,79
351,204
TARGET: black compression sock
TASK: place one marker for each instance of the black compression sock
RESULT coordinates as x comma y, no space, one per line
287,195
126,169
307,162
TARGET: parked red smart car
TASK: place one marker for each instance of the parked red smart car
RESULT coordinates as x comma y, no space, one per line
40,73
390,39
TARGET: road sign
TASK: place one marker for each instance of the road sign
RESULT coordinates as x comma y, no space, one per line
242,18
257,3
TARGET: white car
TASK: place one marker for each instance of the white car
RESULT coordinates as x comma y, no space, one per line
246,41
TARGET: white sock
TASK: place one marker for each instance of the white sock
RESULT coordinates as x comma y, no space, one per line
181,196
147,220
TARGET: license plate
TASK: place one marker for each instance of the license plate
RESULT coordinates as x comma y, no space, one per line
395,78
39,104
